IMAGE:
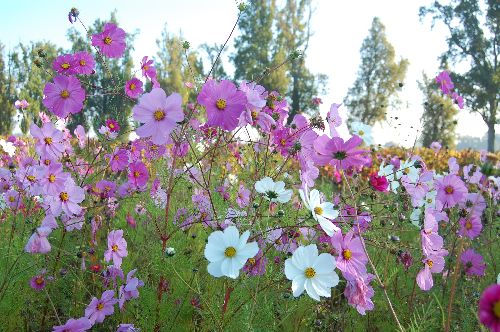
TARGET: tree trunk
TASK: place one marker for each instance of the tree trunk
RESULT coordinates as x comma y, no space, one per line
491,137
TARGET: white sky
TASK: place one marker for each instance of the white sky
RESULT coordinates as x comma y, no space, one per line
339,28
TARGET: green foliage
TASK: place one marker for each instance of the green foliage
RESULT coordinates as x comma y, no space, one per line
7,95
110,101
439,121
379,76
474,42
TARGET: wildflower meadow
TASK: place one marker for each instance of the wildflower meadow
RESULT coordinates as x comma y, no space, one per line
219,209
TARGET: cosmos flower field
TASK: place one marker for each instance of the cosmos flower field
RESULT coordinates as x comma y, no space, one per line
224,214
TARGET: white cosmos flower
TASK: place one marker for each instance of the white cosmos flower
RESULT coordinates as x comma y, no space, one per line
273,191
388,172
8,147
323,213
407,168
311,272
362,130
430,199
227,252
415,217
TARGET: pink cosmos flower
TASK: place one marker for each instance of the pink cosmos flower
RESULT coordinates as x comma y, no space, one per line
38,282
159,114
74,325
256,266
84,63
148,69
470,227
334,120
106,188
65,96
489,307
67,199
53,178
98,309
81,136
359,292
436,146
243,197
445,83
351,257
473,263
379,183
113,125
111,41
138,174
336,152
130,289
13,199
64,64
38,242
21,104
223,103
432,264
47,140
117,247
118,161
451,190
459,100
133,87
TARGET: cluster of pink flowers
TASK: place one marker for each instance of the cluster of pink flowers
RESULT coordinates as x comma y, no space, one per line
447,87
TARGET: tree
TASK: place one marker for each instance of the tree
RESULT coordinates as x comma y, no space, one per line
439,115
172,68
108,82
293,25
474,42
379,78
256,49
31,65
7,93
211,52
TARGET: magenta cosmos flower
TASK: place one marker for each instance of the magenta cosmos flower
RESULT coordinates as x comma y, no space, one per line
336,152
97,310
84,63
138,174
159,114
451,190
148,69
133,87
52,178
489,308
470,227
473,263
432,264
117,248
351,259
359,292
118,161
65,96
67,199
38,282
130,289
74,325
48,140
111,41
444,81
223,102
65,64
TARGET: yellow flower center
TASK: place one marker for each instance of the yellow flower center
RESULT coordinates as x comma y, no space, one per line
136,174
254,115
39,280
318,210
145,67
82,62
100,306
283,142
114,248
496,309
132,86
230,252
309,273
65,66
108,40
47,161
449,190
429,200
12,199
468,225
159,114
48,140
406,171
221,104
31,178
52,178
64,94
347,254
430,262
361,133
251,261
64,196
111,125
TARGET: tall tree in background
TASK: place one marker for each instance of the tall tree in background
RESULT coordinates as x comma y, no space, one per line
171,66
211,52
293,25
31,65
110,100
256,48
438,119
474,40
7,93
379,78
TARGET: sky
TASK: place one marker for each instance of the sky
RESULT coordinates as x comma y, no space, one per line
338,27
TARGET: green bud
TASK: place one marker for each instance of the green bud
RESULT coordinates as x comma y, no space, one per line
255,205
281,213
185,45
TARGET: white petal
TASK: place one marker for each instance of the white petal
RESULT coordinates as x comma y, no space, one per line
214,251
264,185
249,250
325,263
285,196
229,268
328,280
292,271
320,288
243,240
314,198
298,285
310,290
214,269
328,210
329,227
304,199
231,236
301,258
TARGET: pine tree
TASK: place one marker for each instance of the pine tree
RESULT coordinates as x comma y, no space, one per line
379,78
7,94
438,119
474,41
